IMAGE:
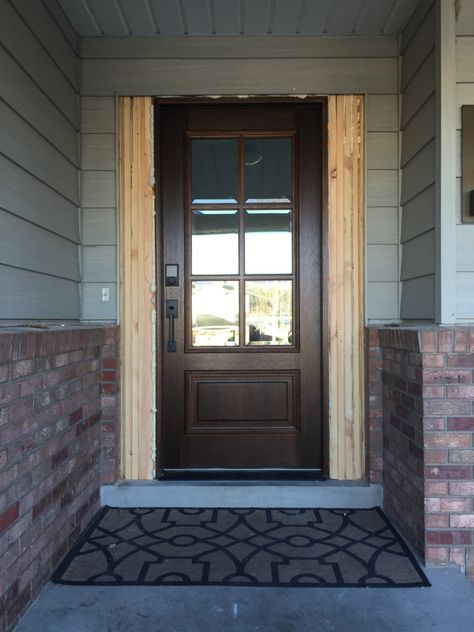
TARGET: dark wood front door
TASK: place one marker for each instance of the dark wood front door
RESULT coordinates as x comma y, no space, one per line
240,255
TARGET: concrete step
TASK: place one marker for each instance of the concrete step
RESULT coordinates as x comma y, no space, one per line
238,493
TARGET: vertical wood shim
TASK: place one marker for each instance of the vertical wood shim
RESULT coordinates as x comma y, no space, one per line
137,281
346,287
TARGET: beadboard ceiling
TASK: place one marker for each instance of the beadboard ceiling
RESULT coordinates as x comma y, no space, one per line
237,17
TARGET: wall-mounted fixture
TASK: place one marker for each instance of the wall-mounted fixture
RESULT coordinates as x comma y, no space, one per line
467,144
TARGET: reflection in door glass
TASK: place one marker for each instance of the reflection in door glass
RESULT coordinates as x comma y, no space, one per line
215,313
268,313
268,242
214,171
215,242
268,170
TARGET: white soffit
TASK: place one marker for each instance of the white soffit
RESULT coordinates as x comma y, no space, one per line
237,17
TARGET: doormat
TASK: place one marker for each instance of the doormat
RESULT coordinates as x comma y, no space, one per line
241,547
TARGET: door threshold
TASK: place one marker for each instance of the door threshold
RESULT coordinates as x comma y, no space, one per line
243,493
243,474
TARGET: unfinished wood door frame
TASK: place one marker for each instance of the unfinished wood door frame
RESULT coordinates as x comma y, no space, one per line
344,288
138,287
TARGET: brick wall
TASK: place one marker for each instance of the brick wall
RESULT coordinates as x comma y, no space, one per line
53,439
427,397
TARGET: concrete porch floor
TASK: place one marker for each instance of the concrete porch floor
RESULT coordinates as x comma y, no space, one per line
447,605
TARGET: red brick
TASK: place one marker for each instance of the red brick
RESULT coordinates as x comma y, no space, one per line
437,488
460,360
448,407
434,392
445,340
110,389
429,341
447,440
462,489
59,457
448,537
436,555
463,391
436,521
447,376
434,423
433,457
109,376
434,360
456,505
462,521
461,340
461,423
110,363
9,516
448,472
461,456
457,555
470,563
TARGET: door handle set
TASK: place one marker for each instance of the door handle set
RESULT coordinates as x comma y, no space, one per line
171,315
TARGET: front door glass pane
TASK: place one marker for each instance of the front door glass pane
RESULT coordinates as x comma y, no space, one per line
215,313
268,242
268,313
268,170
215,242
214,170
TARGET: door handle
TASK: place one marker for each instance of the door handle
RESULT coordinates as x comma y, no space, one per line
171,315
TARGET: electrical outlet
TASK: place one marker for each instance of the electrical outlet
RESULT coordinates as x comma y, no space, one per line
105,294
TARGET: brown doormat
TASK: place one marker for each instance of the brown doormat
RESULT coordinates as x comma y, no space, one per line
241,547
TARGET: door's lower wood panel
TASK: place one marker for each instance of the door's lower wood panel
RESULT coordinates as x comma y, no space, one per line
242,401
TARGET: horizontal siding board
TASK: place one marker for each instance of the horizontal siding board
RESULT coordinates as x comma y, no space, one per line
382,301
419,173
382,113
420,88
17,89
28,295
414,23
23,46
419,131
382,263
98,115
465,295
465,18
98,151
99,227
418,258
464,57
98,189
419,47
37,16
382,150
238,48
418,215
99,264
382,225
382,188
238,76
93,307
25,245
465,248
418,298
27,197
23,145
62,21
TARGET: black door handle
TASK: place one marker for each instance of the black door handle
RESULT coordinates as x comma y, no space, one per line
171,315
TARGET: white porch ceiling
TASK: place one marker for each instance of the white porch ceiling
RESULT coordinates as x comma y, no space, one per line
237,17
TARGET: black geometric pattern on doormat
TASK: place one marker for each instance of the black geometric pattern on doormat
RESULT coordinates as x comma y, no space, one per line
241,547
